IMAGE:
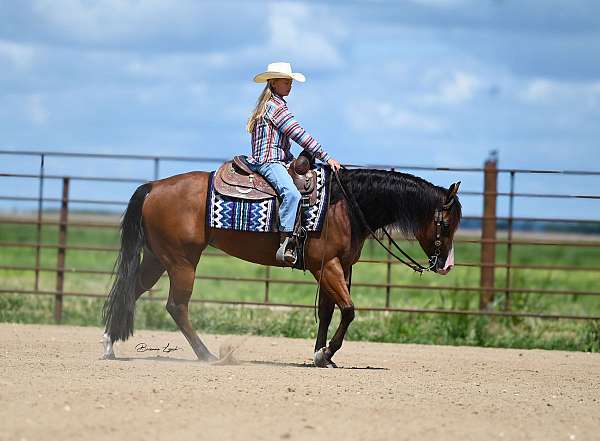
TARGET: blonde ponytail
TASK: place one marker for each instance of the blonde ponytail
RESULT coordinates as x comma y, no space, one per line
261,105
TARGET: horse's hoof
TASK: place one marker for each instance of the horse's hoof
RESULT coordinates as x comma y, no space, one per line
209,358
109,352
323,359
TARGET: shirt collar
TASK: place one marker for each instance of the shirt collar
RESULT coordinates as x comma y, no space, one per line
279,99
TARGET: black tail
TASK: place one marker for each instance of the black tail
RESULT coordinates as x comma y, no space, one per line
119,307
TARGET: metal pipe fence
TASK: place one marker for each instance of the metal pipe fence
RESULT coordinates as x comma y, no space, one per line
487,239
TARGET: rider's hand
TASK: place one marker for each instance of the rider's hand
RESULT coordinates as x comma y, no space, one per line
335,165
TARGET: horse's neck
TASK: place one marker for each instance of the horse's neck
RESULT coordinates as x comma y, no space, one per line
404,209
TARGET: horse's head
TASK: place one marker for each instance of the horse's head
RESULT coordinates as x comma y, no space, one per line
436,238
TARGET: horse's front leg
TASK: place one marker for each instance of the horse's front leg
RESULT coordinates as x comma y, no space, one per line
334,282
326,307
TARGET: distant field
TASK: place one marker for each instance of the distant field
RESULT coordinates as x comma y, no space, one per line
461,330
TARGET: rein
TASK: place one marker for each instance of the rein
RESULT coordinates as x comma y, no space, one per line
413,264
318,292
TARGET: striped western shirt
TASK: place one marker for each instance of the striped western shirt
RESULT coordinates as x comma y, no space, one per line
272,132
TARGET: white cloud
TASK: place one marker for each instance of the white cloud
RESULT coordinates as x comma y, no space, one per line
295,34
545,91
109,19
373,115
297,31
440,3
461,87
21,56
175,66
148,25
540,90
36,110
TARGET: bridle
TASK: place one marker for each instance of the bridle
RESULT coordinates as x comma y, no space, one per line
440,225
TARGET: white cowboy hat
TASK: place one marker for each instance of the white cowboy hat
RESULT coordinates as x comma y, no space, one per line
279,70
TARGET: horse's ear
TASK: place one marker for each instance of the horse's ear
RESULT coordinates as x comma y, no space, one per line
451,193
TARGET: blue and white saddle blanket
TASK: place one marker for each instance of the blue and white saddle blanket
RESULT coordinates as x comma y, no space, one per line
229,213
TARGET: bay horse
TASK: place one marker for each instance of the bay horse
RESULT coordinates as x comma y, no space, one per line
164,229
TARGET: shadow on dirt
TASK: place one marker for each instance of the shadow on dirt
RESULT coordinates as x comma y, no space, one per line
246,363
310,365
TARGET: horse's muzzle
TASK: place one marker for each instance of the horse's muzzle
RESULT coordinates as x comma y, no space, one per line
448,264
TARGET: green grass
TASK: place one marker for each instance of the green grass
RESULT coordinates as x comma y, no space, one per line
388,327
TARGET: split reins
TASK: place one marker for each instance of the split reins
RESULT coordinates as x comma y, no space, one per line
412,264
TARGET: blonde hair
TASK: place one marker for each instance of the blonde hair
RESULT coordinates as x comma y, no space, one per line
261,105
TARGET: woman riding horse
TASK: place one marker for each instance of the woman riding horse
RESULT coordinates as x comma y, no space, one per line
165,228
272,125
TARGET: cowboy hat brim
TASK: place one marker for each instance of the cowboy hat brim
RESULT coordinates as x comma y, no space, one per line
265,76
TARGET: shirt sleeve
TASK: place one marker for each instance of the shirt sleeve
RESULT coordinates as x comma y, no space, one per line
285,122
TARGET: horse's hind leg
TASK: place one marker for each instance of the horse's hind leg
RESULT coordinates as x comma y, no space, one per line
150,271
182,276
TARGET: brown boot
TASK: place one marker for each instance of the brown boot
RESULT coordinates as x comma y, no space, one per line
287,250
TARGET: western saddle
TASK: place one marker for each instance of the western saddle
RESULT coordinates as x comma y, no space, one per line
236,179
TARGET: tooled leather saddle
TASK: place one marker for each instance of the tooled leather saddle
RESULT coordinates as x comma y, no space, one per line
236,179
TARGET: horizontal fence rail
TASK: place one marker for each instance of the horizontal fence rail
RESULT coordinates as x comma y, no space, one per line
495,290
306,306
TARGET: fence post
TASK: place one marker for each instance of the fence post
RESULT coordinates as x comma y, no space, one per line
39,224
60,257
507,296
156,166
488,233
267,280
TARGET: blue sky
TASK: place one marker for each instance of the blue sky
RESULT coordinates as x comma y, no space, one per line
421,82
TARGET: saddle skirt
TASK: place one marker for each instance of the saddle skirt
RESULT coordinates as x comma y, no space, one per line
236,179
229,206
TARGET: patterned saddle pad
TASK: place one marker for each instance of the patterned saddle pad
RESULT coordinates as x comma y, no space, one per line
261,216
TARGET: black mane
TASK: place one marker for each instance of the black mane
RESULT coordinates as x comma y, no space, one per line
401,201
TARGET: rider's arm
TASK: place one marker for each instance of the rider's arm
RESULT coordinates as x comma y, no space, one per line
285,122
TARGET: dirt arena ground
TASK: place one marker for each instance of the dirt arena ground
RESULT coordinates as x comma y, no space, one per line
54,387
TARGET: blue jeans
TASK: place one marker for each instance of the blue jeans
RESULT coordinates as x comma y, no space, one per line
278,177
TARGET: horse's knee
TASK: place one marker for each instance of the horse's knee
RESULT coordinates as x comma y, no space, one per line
347,313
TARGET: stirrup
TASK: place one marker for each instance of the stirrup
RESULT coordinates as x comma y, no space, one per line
284,255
